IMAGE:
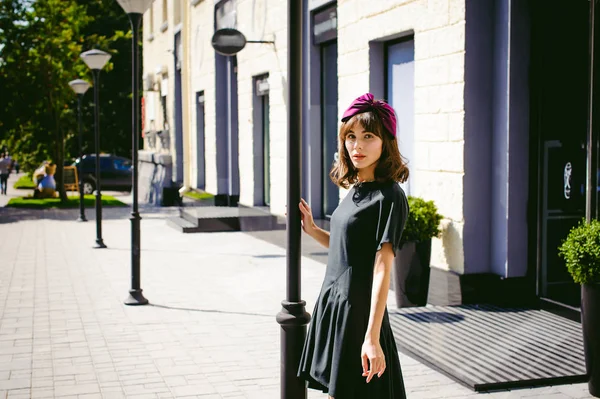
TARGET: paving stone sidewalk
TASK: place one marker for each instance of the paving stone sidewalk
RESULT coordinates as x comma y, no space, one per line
210,331
10,191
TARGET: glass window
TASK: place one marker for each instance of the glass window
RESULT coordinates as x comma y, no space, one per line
400,90
121,164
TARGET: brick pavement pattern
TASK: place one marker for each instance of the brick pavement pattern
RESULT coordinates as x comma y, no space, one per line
209,332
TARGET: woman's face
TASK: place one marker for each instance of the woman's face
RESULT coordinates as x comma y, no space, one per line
364,148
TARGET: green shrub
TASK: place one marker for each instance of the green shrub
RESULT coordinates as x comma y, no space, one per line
581,251
423,220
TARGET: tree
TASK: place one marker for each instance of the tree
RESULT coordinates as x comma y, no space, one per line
40,44
37,63
108,30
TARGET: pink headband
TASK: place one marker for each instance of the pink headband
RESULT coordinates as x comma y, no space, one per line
366,103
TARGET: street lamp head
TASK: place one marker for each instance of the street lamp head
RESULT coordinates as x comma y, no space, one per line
135,6
95,59
79,86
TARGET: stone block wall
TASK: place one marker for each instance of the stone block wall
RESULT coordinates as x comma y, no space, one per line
202,71
263,20
438,28
158,62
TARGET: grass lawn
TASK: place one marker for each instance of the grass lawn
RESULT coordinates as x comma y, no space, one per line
24,182
197,195
73,202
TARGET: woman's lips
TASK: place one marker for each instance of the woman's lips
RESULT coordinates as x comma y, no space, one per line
358,157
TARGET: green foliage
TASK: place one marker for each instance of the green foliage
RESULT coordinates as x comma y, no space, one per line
39,58
71,202
24,182
423,220
41,42
581,251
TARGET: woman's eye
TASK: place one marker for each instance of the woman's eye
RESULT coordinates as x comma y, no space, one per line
350,137
368,136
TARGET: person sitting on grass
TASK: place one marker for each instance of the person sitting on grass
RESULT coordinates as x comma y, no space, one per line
47,186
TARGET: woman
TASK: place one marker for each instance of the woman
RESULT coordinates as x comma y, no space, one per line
350,350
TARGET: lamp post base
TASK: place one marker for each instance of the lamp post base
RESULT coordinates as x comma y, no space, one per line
99,243
293,319
135,298
82,219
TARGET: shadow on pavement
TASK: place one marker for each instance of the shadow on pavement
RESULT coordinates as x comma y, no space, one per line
15,215
195,252
211,311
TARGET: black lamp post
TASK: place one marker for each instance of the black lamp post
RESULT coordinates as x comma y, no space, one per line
293,317
95,60
135,9
80,87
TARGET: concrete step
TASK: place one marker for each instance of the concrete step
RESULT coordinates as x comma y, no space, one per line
220,219
182,225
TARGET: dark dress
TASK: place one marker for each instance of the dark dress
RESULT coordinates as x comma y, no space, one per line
371,214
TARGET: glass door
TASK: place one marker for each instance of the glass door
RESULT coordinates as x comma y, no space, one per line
560,114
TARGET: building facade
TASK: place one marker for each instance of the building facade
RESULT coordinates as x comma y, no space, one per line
487,131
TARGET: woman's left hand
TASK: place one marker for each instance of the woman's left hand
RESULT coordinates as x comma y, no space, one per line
373,359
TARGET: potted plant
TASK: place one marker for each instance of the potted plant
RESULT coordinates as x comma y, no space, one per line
581,251
411,266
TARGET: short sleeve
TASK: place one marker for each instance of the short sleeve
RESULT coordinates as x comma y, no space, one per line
393,211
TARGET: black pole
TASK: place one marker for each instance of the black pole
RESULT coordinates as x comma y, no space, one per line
99,241
293,317
591,203
82,217
135,293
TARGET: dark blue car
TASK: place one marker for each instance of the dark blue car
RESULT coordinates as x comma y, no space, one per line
115,172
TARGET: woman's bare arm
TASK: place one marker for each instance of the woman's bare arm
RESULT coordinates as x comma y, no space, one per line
309,226
320,235
382,270
372,351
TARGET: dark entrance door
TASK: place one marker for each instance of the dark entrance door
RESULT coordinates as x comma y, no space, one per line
560,95
266,134
178,170
329,97
200,153
262,142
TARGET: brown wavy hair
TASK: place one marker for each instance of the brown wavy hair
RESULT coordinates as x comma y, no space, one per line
391,165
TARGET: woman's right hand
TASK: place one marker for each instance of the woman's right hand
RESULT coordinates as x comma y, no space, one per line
308,223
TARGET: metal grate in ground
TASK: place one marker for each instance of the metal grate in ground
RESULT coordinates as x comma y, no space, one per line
487,347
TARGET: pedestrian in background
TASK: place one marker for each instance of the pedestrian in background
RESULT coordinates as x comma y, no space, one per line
5,166
350,352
